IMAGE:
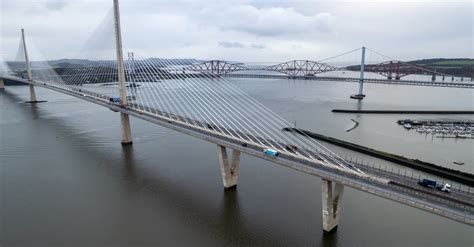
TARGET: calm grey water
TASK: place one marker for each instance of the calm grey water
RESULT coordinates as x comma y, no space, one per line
65,180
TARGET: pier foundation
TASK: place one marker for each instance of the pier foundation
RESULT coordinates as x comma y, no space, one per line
358,96
2,84
331,199
229,172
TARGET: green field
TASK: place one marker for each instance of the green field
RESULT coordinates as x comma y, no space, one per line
456,63
462,67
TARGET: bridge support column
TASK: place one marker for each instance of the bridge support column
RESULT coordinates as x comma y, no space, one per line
2,84
229,173
32,94
331,200
126,130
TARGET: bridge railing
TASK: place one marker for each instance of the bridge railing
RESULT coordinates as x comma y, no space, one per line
422,204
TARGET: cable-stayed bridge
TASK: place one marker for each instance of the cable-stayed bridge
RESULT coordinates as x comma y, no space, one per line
196,100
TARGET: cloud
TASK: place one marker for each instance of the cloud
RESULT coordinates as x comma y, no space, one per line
55,5
235,44
245,30
272,21
227,44
258,46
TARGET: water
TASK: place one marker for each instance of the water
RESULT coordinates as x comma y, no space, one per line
66,180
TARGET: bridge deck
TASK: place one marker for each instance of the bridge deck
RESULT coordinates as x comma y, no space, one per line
351,79
458,206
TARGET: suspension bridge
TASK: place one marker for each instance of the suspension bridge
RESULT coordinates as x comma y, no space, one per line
194,98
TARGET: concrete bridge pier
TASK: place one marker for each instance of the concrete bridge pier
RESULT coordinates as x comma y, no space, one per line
331,199
229,172
32,94
126,129
2,84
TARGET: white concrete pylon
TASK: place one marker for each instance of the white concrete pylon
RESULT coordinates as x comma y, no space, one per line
331,200
124,118
229,173
28,68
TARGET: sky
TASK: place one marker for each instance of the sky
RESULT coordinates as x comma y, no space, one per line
242,30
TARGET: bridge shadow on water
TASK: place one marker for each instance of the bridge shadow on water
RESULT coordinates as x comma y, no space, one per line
223,223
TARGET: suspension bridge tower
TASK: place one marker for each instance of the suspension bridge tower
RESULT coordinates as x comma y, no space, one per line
361,94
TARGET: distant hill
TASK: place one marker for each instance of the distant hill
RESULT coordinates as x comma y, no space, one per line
463,67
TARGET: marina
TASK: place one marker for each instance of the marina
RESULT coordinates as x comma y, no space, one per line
441,129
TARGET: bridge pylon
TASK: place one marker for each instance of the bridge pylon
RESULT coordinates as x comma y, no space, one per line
229,172
124,118
2,84
28,69
331,199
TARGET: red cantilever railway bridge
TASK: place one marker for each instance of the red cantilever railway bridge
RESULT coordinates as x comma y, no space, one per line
391,69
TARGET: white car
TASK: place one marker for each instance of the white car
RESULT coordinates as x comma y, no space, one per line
445,188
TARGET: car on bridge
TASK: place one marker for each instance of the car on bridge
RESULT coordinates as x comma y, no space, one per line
433,185
270,152
427,183
445,188
114,100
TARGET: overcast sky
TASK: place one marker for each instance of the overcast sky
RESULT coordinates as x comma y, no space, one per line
245,30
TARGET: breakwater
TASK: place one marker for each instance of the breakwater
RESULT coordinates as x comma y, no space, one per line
404,111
